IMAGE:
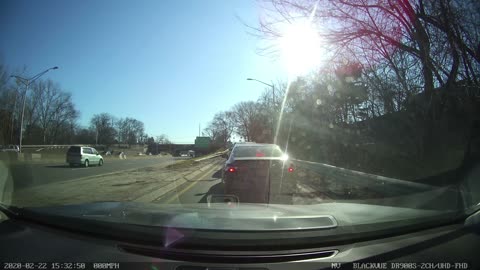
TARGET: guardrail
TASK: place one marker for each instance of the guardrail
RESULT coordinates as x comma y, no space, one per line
217,154
384,185
54,145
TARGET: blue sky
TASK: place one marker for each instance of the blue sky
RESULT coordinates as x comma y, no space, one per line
170,64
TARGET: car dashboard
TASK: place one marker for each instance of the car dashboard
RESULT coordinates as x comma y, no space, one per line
31,245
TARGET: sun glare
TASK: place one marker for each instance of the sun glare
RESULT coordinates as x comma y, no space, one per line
301,48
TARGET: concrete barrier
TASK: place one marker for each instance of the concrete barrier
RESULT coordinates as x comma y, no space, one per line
29,156
9,156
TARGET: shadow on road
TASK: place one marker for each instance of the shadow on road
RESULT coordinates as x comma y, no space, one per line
217,174
22,175
59,166
215,177
203,180
217,189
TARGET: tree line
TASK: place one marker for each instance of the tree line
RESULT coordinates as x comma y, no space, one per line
400,89
51,117
250,120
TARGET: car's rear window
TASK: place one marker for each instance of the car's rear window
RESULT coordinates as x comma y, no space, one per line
257,151
74,149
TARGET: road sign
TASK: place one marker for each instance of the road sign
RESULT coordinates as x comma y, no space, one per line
203,142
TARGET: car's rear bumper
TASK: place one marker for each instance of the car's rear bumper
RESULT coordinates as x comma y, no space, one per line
277,190
75,160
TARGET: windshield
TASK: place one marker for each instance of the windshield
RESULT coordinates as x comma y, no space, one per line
74,150
257,151
314,111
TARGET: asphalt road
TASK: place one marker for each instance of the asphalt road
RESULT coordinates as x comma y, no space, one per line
196,191
199,189
32,174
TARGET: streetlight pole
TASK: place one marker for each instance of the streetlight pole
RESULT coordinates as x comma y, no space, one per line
27,83
271,85
13,115
273,104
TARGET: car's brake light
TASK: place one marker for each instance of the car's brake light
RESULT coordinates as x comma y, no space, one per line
231,169
290,169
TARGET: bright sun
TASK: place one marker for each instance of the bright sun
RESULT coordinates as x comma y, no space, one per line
301,48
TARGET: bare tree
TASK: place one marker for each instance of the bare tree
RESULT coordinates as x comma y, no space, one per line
84,135
130,130
4,74
439,39
103,126
163,139
52,111
9,97
250,123
220,129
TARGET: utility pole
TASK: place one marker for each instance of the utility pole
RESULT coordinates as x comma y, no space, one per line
96,137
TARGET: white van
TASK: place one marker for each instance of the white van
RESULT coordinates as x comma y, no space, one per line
84,156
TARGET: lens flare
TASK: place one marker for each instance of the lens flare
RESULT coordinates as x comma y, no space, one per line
301,48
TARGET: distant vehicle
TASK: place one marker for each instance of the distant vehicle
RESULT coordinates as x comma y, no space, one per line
191,153
259,173
11,148
84,156
184,154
